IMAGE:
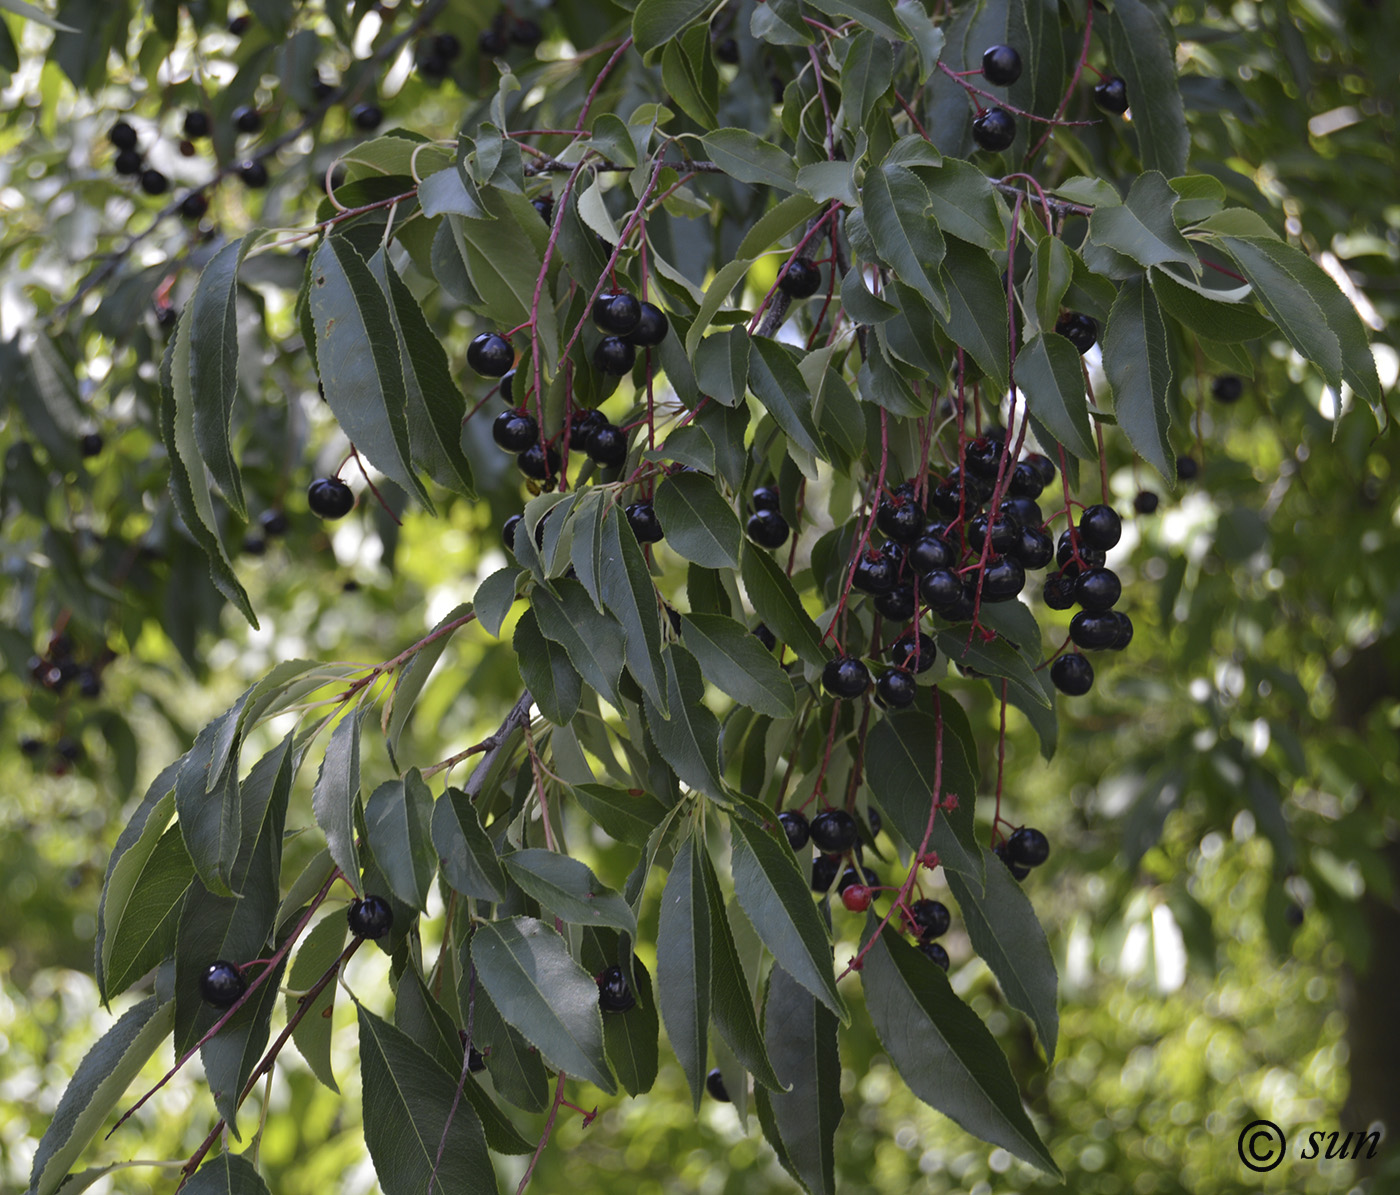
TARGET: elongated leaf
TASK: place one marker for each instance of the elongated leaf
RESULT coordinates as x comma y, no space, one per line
780,387
964,204
407,1097
1052,271
942,1050
899,218
630,594
548,997
746,156
398,818
1216,315
995,657
312,1036
547,672
228,1174
1141,50
778,900
1048,370
213,315
873,14
631,1038
899,763
800,1036
144,934
977,308
779,607
776,223
594,640
1138,364
337,795
726,278
699,524
357,352
689,739
683,966
469,862
734,661
208,806
1142,226
569,889
656,22
516,1067
98,1083
1008,937
626,816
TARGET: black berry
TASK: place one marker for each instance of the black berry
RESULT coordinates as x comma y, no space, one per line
238,26
1003,579
122,135
994,129
931,552
614,356
767,528
1018,871
490,355
1093,632
476,1061
936,952
1028,847
515,431
196,124
1080,330
129,162
900,519
539,464
1043,465
1033,548
607,446
764,636
1058,591
1004,532
613,993
153,182
845,677
651,328
932,918
222,984
492,42
898,604
545,206
1064,552
194,205
940,588
834,831
895,689
983,457
91,444
1111,94
802,280
1072,674
1186,468
1122,630
714,1084
641,517
1001,65
795,826
1098,589
273,523
824,869
253,173
247,119
370,918
1146,502
1100,527
367,117
1025,481
766,497
525,32
874,573
909,652
1227,388
329,498
617,314
727,51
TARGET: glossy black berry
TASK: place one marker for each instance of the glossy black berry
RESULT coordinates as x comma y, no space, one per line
994,129
1093,632
1186,468
167,316
714,1084
255,545
874,573
129,162
1003,579
767,528
1145,503
935,951
222,984
1111,94
795,826
508,532
607,446
238,26
900,519
329,498
1028,847
727,51
247,119
492,42
613,993
1072,674
367,117
372,917
1018,871
274,523
506,388
1227,388
765,637
1025,481
617,314
196,124
194,205
1033,548
1004,532
983,457
29,746
766,497
930,552
545,206
539,464
614,356
1098,589
1001,65
515,431
153,182
1100,527
1122,630
90,444
824,871
253,173
524,32
895,690
1043,465
1058,591
490,355
918,655
932,918
476,1061
651,328
122,135
1080,330
69,748
641,517
321,90
834,831
1064,552
432,66
802,280
898,604
845,677
940,588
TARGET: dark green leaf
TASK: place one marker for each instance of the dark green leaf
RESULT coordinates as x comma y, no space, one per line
316,954
1218,315
656,22
494,597
593,640
746,156
630,595
779,607
735,662
398,818
977,308
964,204
229,1057
144,932
899,217
689,739
228,1174
630,1038
545,668
1049,372
992,658
624,816
1142,227
779,386
699,524
683,966
1141,50
569,889
337,796
1138,365
469,862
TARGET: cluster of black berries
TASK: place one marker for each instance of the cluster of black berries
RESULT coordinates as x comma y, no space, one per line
59,667
506,30
629,324
435,54
928,920
995,128
65,752
603,442
272,524
766,525
1026,848
836,835
1084,581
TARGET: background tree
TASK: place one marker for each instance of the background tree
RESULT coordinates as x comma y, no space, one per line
885,285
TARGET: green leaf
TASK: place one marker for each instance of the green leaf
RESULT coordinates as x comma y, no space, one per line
964,204
778,606
1142,227
1008,937
749,158
630,595
1217,315
691,445
336,797
593,640
494,597
778,900
688,73
943,1051
735,662
228,1174
469,862
792,211
33,12
689,739
398,820
873,14
866,75
208,806
726,278
407,1098
630,1038
780,387
899,763
625,816
503,262
545,668
977,309
516,1068
144,933
229,1057
1049,373
1141,50
213,358
801,1039
569,889
699,524
1052,271
899,218
1138,364
357,353
683,966
656,22
99,1082
548,997
316,954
